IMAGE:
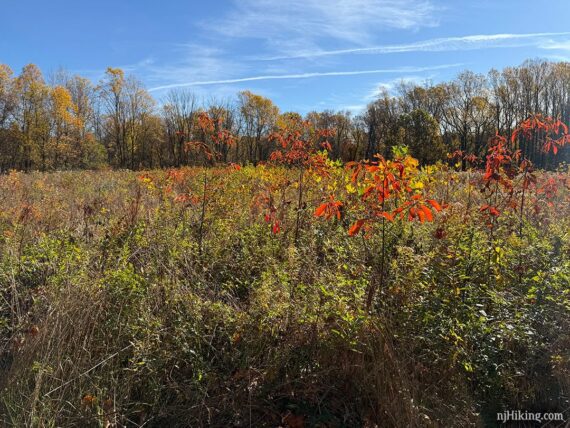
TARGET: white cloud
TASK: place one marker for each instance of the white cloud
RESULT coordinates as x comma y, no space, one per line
200,62
391,86
561,45
304,76
294,24
281,28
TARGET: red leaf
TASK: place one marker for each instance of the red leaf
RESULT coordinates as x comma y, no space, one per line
434,204
494,211
367,191
427,212
356,227
320,210
276,228
421,216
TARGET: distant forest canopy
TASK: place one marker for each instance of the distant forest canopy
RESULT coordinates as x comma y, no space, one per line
68,122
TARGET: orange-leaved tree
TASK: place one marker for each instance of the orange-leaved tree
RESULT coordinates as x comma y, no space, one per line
208,143
389,191
509,174
298,144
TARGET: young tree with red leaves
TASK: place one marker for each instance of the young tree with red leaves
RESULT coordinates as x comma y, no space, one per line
298,144
387,194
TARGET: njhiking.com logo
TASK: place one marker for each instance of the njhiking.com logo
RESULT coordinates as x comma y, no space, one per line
520,415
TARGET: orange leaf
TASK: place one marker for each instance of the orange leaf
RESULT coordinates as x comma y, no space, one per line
337,207
356,227
427,212
434,204
320,210
367,191
421,216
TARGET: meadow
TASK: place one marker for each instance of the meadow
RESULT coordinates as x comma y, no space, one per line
300,292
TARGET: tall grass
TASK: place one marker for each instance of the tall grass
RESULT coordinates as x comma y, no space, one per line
121,306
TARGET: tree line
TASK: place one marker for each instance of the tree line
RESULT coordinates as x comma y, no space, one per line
67,121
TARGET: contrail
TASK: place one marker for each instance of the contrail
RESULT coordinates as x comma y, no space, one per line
306,76
431,45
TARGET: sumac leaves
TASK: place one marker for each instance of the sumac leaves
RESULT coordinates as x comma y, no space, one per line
355,228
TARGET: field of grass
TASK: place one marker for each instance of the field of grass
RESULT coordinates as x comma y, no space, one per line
216,297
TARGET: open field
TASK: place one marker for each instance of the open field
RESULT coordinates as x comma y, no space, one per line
221,297
285,214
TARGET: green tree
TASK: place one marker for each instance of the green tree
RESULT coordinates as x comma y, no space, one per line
422,135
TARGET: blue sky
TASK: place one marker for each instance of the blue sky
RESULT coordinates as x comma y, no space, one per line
304,54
